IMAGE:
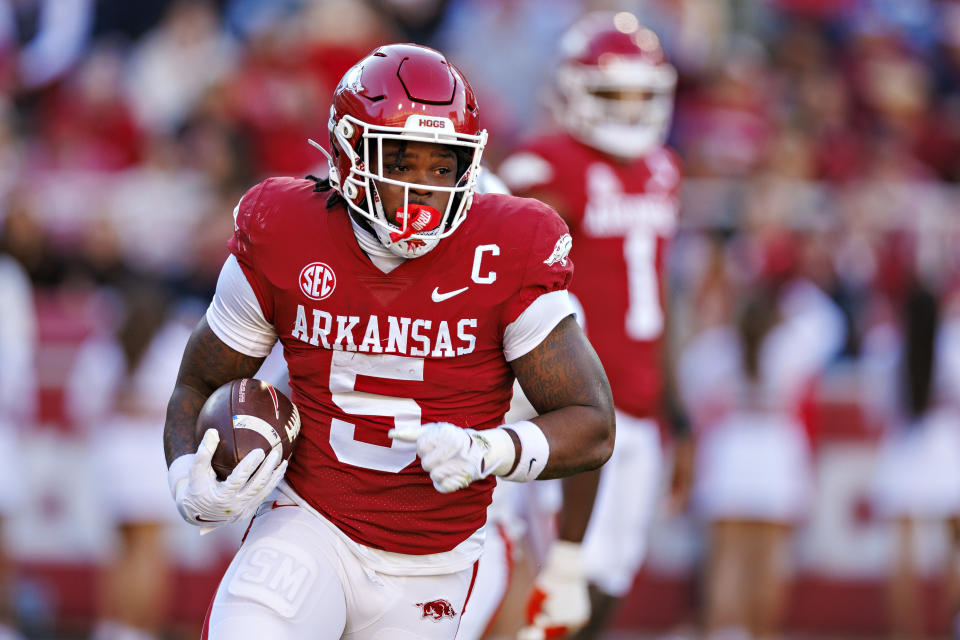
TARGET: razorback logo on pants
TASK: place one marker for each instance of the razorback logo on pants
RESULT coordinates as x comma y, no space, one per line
437,609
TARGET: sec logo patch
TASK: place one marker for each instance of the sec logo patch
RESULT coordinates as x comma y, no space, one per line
317,281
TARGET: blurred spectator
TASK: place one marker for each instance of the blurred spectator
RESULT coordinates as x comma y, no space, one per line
134,364
155,208
744,384
918,469
171,68
286,70
207,250
86,123
42,39
723,125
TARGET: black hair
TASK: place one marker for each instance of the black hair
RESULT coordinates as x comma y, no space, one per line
757,316
322,185
921,315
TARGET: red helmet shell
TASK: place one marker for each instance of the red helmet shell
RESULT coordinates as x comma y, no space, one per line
395,82
602,38
614,85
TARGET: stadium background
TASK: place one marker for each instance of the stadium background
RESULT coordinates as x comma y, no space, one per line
820,137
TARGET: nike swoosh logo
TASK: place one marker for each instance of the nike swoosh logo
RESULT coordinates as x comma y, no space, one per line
530,468
436,296
199,519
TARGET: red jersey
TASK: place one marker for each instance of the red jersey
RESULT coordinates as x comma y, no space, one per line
368,351
621,216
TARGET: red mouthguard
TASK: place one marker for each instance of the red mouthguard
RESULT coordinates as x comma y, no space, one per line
423,217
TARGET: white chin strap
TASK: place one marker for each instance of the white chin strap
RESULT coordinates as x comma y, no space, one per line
624,141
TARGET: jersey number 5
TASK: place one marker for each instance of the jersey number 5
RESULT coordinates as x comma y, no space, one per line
345,366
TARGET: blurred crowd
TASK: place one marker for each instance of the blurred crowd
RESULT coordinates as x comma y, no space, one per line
820,138
824,135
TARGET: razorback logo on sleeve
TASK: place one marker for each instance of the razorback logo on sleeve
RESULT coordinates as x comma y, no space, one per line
560,251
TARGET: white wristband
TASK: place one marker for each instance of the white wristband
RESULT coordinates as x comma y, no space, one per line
534,451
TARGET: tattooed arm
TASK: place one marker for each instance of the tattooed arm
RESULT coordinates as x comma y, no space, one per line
565,383
207,363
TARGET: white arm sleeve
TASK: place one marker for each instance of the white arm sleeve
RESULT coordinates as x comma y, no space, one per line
536,322
235,314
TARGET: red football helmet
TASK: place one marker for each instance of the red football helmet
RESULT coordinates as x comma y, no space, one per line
616,86
403,92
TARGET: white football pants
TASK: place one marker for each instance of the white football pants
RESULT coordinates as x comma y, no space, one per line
630,487
295,579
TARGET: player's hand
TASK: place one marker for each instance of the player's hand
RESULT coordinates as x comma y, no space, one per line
204,501
560,601
453,456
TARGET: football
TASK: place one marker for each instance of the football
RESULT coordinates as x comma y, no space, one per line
248,414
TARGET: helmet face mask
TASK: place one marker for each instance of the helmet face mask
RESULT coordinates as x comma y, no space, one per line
398,95
615,86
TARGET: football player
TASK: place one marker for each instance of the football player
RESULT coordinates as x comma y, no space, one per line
609,175
406,306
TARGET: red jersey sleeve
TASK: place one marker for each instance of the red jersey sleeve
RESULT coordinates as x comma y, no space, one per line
547,266
534,169
250,234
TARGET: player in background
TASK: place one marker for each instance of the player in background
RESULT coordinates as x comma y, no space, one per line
609,175
401,380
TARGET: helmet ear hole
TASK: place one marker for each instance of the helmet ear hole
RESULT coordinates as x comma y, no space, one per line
345,129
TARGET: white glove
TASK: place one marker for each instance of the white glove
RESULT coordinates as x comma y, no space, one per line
560,601
454,457
205,502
